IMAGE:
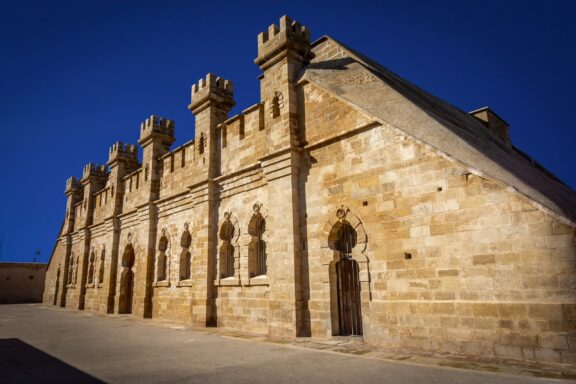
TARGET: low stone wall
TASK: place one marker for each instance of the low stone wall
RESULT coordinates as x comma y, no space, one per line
22,282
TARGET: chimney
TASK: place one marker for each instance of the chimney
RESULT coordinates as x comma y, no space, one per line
493,123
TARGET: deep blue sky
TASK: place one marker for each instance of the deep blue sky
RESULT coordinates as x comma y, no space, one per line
77,76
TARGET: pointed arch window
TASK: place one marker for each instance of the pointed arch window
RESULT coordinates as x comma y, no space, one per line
162,267
101,268
91,261
71,270
227,249
185,255
257,247
76,269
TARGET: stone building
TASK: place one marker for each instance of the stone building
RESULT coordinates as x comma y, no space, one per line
346,202
22,282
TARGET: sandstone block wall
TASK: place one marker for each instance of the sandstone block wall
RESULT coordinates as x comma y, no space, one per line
22,282
448,259
455,262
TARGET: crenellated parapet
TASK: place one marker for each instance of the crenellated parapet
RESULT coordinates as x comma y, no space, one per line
289,38
157,128
72,186
94,172
212,90
120,152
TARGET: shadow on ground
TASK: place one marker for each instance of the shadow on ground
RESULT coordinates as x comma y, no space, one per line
22,363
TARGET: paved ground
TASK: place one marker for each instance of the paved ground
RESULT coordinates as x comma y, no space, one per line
51,345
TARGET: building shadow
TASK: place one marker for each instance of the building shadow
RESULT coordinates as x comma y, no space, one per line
22,363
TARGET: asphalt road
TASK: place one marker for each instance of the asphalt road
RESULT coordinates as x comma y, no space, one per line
45,345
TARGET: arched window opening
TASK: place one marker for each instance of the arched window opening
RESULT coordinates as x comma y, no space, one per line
128,257
127,280
101,269
76,269
257,246
227,249
71,270
185,255
162,258
91,268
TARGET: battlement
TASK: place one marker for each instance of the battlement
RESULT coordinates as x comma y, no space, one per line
94,170
121,151
211,89
249,121
291,35
156,126
72,185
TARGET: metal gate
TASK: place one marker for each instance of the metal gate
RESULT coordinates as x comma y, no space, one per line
350,316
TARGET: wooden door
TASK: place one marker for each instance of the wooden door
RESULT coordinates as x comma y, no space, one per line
350,316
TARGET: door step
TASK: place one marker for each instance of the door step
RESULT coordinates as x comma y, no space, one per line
349,339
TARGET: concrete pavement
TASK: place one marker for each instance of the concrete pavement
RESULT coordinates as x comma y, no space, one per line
51,345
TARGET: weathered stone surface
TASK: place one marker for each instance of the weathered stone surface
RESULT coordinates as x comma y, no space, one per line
335,164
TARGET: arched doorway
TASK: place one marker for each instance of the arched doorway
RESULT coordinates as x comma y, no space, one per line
342,239
127,280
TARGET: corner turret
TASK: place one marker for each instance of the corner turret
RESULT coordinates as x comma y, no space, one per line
94,172
211,99
93,180
119,151
72,186
156,137
73,195
122,160
158,129
291,38
282,52
212,90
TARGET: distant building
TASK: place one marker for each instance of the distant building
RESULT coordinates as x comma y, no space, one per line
346,202
22,282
